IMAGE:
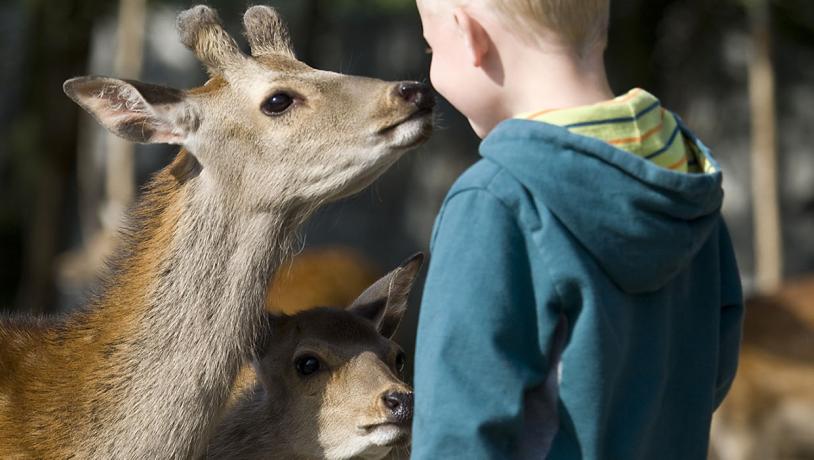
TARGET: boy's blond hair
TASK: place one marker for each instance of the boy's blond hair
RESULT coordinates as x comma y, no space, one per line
581,24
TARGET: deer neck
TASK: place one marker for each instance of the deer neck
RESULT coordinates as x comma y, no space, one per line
193,292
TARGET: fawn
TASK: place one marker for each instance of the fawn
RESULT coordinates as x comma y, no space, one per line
330,383
145,370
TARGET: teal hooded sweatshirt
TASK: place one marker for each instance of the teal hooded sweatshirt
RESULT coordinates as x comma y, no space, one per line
581,303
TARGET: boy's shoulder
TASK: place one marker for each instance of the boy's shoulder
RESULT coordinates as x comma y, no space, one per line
484,190
488,177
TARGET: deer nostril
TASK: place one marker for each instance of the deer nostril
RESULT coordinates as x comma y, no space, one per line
400,405
391,401
418,94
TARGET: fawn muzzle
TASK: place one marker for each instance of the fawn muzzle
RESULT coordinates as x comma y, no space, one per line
399,406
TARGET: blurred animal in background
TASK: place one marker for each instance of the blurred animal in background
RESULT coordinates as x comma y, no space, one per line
769,412
330,381
145,371
316,277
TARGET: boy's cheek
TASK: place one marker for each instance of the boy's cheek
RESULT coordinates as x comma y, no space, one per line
452,87
437,82
442,80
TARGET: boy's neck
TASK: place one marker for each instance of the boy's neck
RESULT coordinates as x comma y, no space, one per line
543,79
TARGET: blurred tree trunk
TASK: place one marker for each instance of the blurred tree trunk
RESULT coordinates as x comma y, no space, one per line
58,40
120,173
768,243
78,268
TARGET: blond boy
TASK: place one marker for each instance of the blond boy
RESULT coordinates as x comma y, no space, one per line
583,299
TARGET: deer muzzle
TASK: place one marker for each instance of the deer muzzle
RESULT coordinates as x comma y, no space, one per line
400,406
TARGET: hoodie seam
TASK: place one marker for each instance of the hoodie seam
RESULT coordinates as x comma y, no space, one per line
528,231
486,188
488,192
461,191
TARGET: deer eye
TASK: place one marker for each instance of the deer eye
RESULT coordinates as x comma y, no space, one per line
277,104
401,362
307,365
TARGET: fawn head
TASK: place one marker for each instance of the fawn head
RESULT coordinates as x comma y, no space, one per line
335,376
268,128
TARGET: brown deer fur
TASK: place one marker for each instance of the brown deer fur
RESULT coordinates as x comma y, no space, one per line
144,371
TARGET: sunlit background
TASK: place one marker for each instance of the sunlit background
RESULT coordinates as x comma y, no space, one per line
739,72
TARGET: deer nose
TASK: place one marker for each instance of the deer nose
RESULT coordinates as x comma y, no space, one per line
417,93
400,406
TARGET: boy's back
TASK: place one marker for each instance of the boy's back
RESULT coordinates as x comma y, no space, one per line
583,299
553,230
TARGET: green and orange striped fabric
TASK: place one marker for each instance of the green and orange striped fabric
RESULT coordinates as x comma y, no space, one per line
635,122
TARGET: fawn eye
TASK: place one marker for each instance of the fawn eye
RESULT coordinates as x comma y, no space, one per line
307,365
277,104
401,362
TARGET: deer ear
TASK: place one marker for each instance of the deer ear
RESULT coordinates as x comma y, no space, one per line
138,112
385,301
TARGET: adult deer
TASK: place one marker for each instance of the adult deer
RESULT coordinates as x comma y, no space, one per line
146,369
329,383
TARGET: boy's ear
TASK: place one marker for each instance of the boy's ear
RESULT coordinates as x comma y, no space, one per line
476,39
385,301
138,112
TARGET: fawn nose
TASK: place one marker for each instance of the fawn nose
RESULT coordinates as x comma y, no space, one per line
400,406
417,93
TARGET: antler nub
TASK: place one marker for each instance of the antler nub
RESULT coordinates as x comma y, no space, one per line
202,32
266,31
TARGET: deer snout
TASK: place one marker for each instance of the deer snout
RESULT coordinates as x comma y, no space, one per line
400,406
416,93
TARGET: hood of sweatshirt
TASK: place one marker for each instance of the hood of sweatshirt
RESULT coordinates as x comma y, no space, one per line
643,224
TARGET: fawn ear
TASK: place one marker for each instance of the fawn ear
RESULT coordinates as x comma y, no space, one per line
138,112
385,301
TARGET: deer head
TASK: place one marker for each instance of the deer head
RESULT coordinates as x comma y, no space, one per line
331,382
267,129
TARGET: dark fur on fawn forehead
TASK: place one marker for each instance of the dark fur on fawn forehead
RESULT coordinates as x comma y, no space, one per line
334,325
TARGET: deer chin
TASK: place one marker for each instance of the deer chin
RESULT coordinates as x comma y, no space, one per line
411,131
387,434
373,442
